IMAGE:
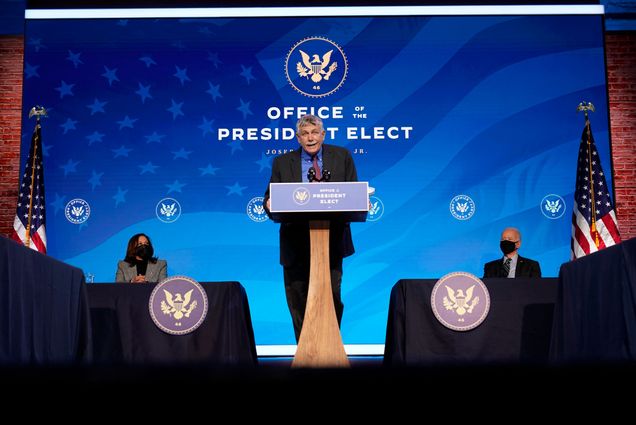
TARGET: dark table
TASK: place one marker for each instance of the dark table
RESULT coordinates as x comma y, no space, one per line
595,314
517,328
44,318
123,331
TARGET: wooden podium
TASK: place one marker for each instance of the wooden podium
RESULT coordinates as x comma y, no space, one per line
320,343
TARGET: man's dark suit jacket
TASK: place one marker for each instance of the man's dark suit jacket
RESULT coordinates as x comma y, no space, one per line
294,237
525,268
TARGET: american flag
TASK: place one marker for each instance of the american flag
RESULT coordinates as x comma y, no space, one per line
30,217
594,224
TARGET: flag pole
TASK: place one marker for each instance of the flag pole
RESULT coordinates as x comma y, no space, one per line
585,107
36,111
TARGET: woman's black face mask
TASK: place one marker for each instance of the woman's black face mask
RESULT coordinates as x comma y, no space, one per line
143,251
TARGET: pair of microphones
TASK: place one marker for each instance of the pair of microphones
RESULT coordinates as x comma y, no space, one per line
311,175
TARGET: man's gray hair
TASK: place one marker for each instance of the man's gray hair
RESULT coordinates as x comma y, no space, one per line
308,120
514,229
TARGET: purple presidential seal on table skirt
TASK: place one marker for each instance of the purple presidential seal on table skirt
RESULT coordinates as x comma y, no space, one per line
178,305
460,301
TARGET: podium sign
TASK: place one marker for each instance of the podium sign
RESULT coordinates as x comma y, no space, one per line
349,199
320,343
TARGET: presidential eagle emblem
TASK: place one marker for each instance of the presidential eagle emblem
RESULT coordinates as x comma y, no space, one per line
301,196
315,67
460,302
168,210
177,305
77,211
462,207
553,207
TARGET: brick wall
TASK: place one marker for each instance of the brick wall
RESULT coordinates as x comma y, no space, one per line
621,65
11,54
621,74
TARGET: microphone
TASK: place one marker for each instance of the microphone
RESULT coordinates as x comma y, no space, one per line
311,175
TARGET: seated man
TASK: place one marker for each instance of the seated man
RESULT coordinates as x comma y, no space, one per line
512,264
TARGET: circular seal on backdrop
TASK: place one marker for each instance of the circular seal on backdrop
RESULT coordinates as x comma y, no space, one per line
552,206
301,196
77,211
462,207
377,209
316,67
256,210
178,305
168,210
460,301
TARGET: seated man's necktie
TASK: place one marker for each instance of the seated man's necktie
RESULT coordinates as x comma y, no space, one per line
506,266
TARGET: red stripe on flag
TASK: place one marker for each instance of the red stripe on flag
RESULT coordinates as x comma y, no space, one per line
16,237
37,242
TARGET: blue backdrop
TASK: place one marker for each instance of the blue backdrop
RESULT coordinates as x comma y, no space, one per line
464,125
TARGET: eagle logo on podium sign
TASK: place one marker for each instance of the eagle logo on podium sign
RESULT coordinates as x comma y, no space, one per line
301,196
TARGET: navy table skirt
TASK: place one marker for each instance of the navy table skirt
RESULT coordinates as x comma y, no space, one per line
123,331
517,328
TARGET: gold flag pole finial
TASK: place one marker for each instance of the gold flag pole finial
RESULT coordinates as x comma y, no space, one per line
585,107
37,111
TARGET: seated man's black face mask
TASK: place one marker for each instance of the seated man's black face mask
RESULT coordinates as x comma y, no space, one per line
507,246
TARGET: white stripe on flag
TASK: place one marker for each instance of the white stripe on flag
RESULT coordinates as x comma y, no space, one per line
19,229
581,222
42,233
604,232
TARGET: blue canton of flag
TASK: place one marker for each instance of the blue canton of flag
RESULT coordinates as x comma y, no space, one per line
30,217
594,224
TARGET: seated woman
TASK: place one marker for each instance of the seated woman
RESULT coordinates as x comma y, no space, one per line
139,264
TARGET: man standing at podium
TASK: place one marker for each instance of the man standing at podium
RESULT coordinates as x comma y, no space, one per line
314,162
